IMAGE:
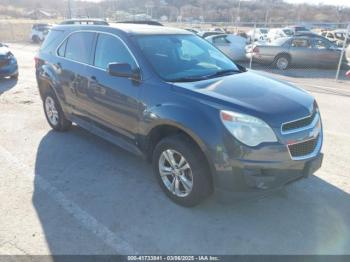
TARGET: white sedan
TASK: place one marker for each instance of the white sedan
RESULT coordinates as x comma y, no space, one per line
231,45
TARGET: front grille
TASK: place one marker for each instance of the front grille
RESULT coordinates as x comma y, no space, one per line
298,123
303,148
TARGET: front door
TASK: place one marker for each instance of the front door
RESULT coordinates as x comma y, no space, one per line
114,100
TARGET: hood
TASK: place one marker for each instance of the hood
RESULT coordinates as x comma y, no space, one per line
252,93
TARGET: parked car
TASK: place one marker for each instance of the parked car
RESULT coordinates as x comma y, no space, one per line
277,33
205,34
308,50
298,29
231,45
259,34
39,32
8,63
165,94
337,37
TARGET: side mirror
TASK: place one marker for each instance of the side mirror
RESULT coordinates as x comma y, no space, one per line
122,70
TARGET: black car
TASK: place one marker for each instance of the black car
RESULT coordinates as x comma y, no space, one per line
168,95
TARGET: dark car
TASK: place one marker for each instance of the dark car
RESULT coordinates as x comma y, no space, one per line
8,63
168,95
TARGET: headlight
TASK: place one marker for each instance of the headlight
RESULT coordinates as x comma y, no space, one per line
247,129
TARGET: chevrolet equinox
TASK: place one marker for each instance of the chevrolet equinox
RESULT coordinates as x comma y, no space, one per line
163,93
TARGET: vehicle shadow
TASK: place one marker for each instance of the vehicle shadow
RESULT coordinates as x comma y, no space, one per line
6,84
88,191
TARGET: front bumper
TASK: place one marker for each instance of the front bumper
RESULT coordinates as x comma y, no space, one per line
271,165
259,175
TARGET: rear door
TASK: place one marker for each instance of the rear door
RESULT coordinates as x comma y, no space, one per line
114,101
75,55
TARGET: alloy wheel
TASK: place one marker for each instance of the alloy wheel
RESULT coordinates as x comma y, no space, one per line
175,173
51,110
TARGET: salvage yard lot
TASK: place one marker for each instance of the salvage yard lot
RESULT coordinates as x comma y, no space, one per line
73,193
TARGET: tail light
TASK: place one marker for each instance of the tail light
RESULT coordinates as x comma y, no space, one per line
348,73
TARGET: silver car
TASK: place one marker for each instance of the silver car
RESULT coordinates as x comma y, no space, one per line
308,50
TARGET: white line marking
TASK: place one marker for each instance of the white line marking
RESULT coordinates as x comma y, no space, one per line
101,231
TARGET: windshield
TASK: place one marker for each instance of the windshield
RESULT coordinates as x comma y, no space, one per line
264,31
184,57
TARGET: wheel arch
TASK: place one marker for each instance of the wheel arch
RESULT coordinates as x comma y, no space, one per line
168,128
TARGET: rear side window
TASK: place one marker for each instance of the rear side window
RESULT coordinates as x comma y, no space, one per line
110,49
78,47
52,40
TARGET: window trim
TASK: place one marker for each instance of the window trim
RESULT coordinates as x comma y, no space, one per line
94,48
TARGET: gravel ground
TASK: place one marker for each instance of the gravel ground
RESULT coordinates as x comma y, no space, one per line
73,193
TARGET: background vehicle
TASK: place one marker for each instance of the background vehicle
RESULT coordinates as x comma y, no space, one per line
39,32
231,45
337,37
260,34
173,98
308,50
276,33
8,63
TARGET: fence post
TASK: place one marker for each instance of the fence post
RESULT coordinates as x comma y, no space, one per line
342,52
253,40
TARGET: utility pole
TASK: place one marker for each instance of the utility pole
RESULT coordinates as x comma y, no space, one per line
69,10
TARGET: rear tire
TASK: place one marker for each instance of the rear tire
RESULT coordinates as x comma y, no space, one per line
189,182
53,112
282,62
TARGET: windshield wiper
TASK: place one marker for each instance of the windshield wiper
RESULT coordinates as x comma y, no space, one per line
199,78
188,79
224,72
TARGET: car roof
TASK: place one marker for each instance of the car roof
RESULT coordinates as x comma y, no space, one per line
130,29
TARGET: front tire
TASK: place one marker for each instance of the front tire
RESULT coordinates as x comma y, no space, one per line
181,170
54,113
